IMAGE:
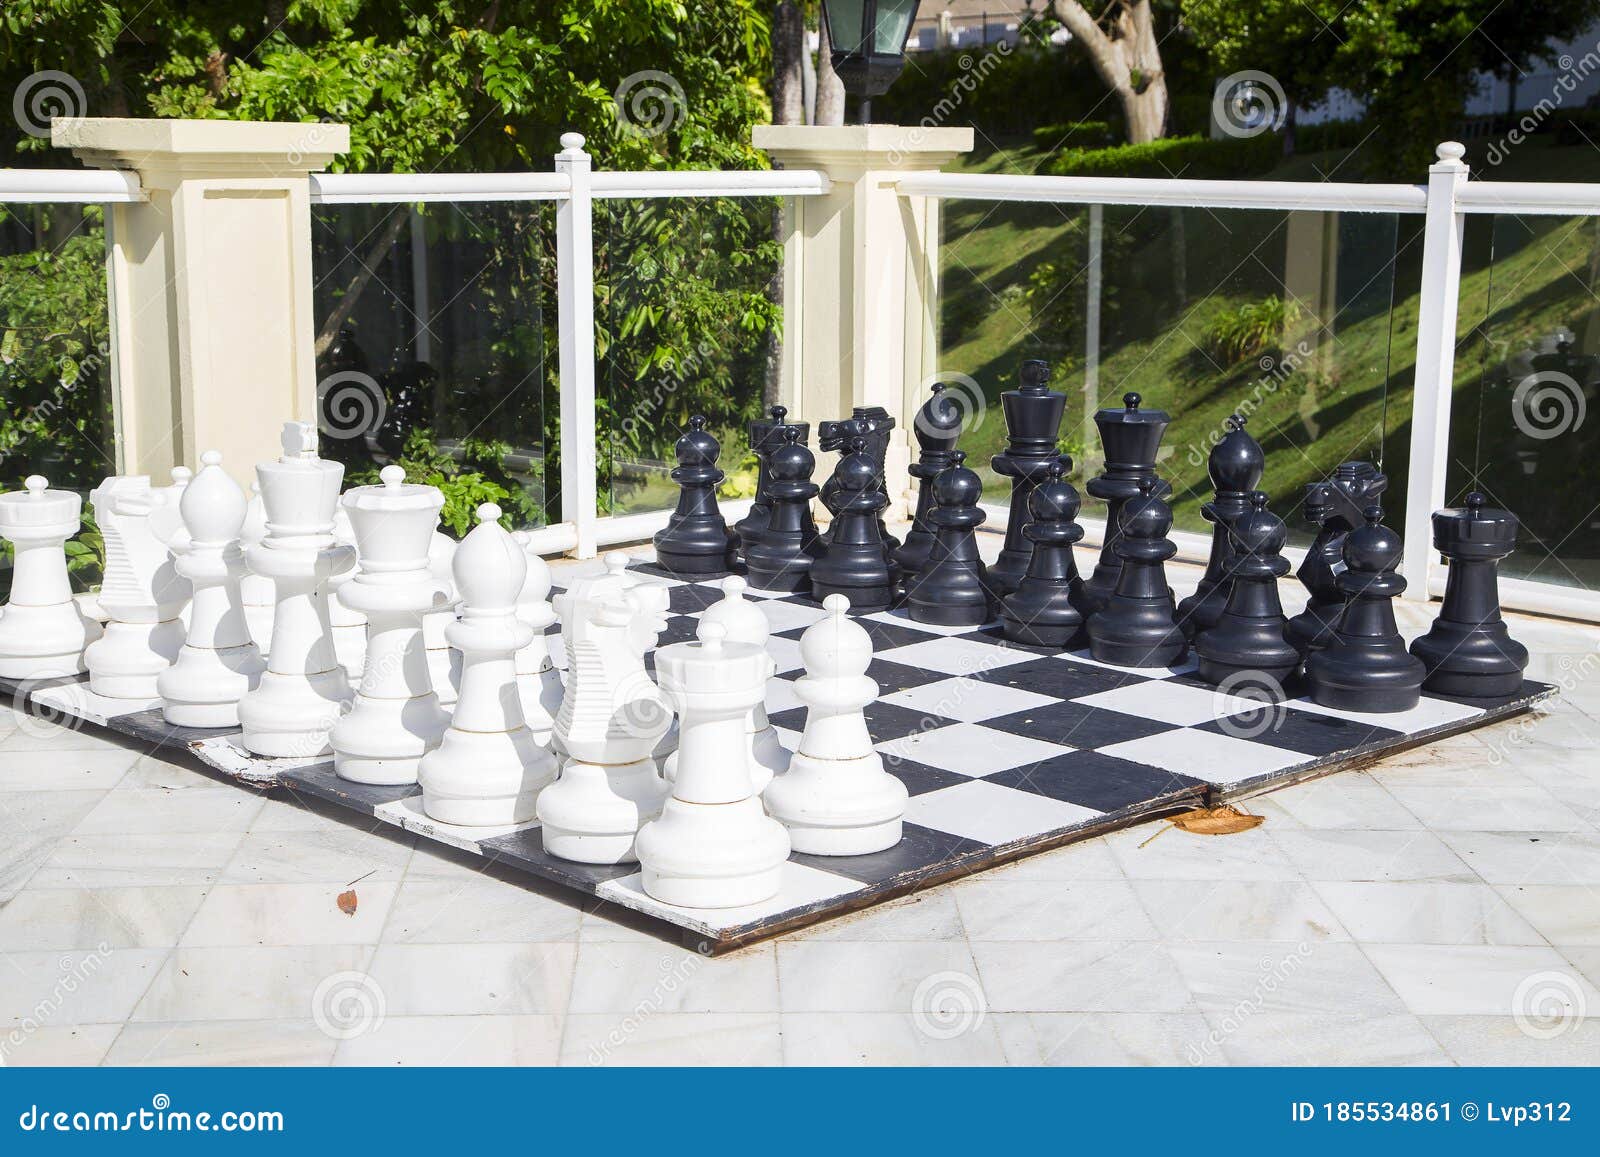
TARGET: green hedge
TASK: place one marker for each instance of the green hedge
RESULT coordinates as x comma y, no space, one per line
1078,135
1195,158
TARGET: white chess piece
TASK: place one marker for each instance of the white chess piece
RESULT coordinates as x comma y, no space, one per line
611,718
166,521
745,623
396,719
218,663
444,662
538,681
141,593
43,631
713,846
488,769
836,799
304,689
256,590
349,625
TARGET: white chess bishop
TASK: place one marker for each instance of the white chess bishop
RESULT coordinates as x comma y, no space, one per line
218,663
255,590
836,799
43,631
396,719
713,845
489,769
304,689
538,681
612,716
141,593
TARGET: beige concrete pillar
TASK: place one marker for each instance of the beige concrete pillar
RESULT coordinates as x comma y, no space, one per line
861,275
210,280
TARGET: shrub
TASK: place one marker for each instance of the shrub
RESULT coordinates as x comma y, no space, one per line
1249,329
1194,158
1077,135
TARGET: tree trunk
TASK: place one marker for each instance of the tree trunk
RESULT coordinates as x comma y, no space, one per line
363,277
830,89
788,80
1127,57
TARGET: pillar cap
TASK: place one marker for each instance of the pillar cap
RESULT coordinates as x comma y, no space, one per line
199,148
871,146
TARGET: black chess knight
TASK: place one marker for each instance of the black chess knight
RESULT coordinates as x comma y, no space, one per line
853,561
938,428
766,435
1130,438
1033,424
871,424
1137,626
779,556
1248,636
1046,609
1468,651
1335,507
1235,465
953,587
696,540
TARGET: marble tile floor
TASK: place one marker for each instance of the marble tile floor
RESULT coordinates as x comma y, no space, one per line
1440,907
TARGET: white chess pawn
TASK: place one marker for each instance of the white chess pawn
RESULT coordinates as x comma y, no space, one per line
714,846
218,663
256,590
538,681
611,718
141,593
836,799
488,770
43,631
396,719
348,624
444,662
304,689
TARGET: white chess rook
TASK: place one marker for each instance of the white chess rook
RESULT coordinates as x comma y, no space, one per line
42,632
141,593
538,681
218,663
836,799
396,719
488,770
611,718
304,689
714,846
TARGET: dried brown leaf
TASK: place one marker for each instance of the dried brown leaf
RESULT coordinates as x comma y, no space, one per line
347,902
1224,820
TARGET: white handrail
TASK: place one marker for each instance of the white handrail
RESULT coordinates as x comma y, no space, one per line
1528,198
712,183
71,186
401,188
1292,195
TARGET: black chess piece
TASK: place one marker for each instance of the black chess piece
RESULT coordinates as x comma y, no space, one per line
779,556
1033,424
872,424
1335,506
1138,625
1468,651
953,588
696,539
853,562
1248,637
1235,465
938,429
1046,609
766,435
1366,666
1130,438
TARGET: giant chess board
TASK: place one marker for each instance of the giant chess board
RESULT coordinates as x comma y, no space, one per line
1005,750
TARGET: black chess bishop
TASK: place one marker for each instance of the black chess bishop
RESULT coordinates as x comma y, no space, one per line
1248,637
853,561
937,428
766,435
1046,609
1138,626
696,540
1335,507
953,589
779,556
1235,465
1033,425
1130,438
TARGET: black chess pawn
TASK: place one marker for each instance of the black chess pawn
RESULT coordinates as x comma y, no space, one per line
1033,424
853,562
696,539
1130,438
1138,625
1248,636
766,435
1468,651
953,589
1335,507
1366,666
1046,609
872,424
938,429
1235,465
779,556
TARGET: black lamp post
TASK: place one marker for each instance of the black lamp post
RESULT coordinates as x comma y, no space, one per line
868,40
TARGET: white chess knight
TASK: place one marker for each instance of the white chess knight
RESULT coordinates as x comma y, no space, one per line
396,719
745,623
43,631
488,770
713,845
836,799
141,593
218,663
538,681
304,689
611,718
255,590
444,662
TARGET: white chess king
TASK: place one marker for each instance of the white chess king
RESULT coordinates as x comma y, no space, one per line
304,690
42,631
142,593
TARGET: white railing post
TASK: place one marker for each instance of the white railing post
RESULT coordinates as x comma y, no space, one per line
575,326
1435,366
